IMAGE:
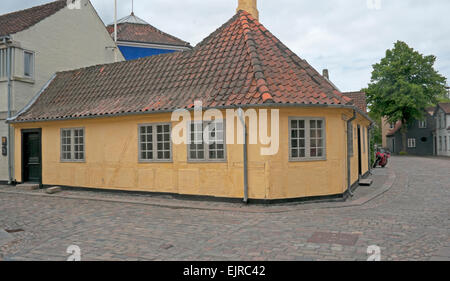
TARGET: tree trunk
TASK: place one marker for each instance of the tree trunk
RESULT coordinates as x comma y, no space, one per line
404,130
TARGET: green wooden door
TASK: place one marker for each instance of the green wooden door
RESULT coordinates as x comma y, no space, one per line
32,157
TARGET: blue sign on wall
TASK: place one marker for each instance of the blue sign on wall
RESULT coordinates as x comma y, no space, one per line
132,53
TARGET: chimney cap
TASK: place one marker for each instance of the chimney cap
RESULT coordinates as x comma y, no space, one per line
326,74
250,6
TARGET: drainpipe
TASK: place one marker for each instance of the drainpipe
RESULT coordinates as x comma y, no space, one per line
115,29
6,41
349,147
369,134
244,126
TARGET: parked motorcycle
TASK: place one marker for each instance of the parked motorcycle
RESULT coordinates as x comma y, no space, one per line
382,158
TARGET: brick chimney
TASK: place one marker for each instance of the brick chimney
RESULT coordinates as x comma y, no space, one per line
249,6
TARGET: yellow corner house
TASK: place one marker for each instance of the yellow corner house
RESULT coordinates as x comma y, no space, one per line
112,126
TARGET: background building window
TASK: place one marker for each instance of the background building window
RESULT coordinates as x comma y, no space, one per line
422,124
209,148
72,145
28,67
155,142
411,143
307,139
3,65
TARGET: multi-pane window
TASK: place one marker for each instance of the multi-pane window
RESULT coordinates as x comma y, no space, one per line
72,145
422,124
411,143
206,141
3,65
155,142
28,67
307,139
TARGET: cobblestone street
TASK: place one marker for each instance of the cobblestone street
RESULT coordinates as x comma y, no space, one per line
411,221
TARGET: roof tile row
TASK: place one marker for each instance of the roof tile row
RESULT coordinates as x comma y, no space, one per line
241,63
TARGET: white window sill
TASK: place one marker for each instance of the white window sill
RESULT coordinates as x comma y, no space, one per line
308,160
24,79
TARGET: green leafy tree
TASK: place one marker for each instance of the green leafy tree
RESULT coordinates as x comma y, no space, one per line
403,84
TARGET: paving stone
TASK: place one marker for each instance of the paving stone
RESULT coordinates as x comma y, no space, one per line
407,222
53,190
27,186
5,237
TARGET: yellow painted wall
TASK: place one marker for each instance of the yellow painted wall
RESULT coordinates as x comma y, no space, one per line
364,124
112,161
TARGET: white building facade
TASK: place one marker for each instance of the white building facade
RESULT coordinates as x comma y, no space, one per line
57,37
442,133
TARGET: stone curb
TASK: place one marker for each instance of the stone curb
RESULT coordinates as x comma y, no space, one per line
284,209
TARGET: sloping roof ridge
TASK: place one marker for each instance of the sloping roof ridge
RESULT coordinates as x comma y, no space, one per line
31,8
126,19
255,61
298,61
95,66
121,25
168,35
55,3
445,106
218,30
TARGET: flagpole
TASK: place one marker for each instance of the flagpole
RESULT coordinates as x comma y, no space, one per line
115,29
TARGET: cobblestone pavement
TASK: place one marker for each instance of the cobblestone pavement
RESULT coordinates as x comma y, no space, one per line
411,221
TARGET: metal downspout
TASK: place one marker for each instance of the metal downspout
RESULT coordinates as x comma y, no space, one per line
241,118
369,134
9,70
349,147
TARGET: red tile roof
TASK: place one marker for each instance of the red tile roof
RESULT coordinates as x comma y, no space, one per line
241,63
445,107
144,33
359,100
18,21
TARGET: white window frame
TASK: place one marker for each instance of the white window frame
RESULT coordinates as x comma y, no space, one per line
423,124
206,148
155,149
445,143
411,143
72,145
307,138
31,76
3,63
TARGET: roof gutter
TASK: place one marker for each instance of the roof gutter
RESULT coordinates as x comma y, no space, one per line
32,101
266,105
6,40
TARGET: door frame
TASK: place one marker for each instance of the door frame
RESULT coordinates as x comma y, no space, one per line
359,152
22,148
